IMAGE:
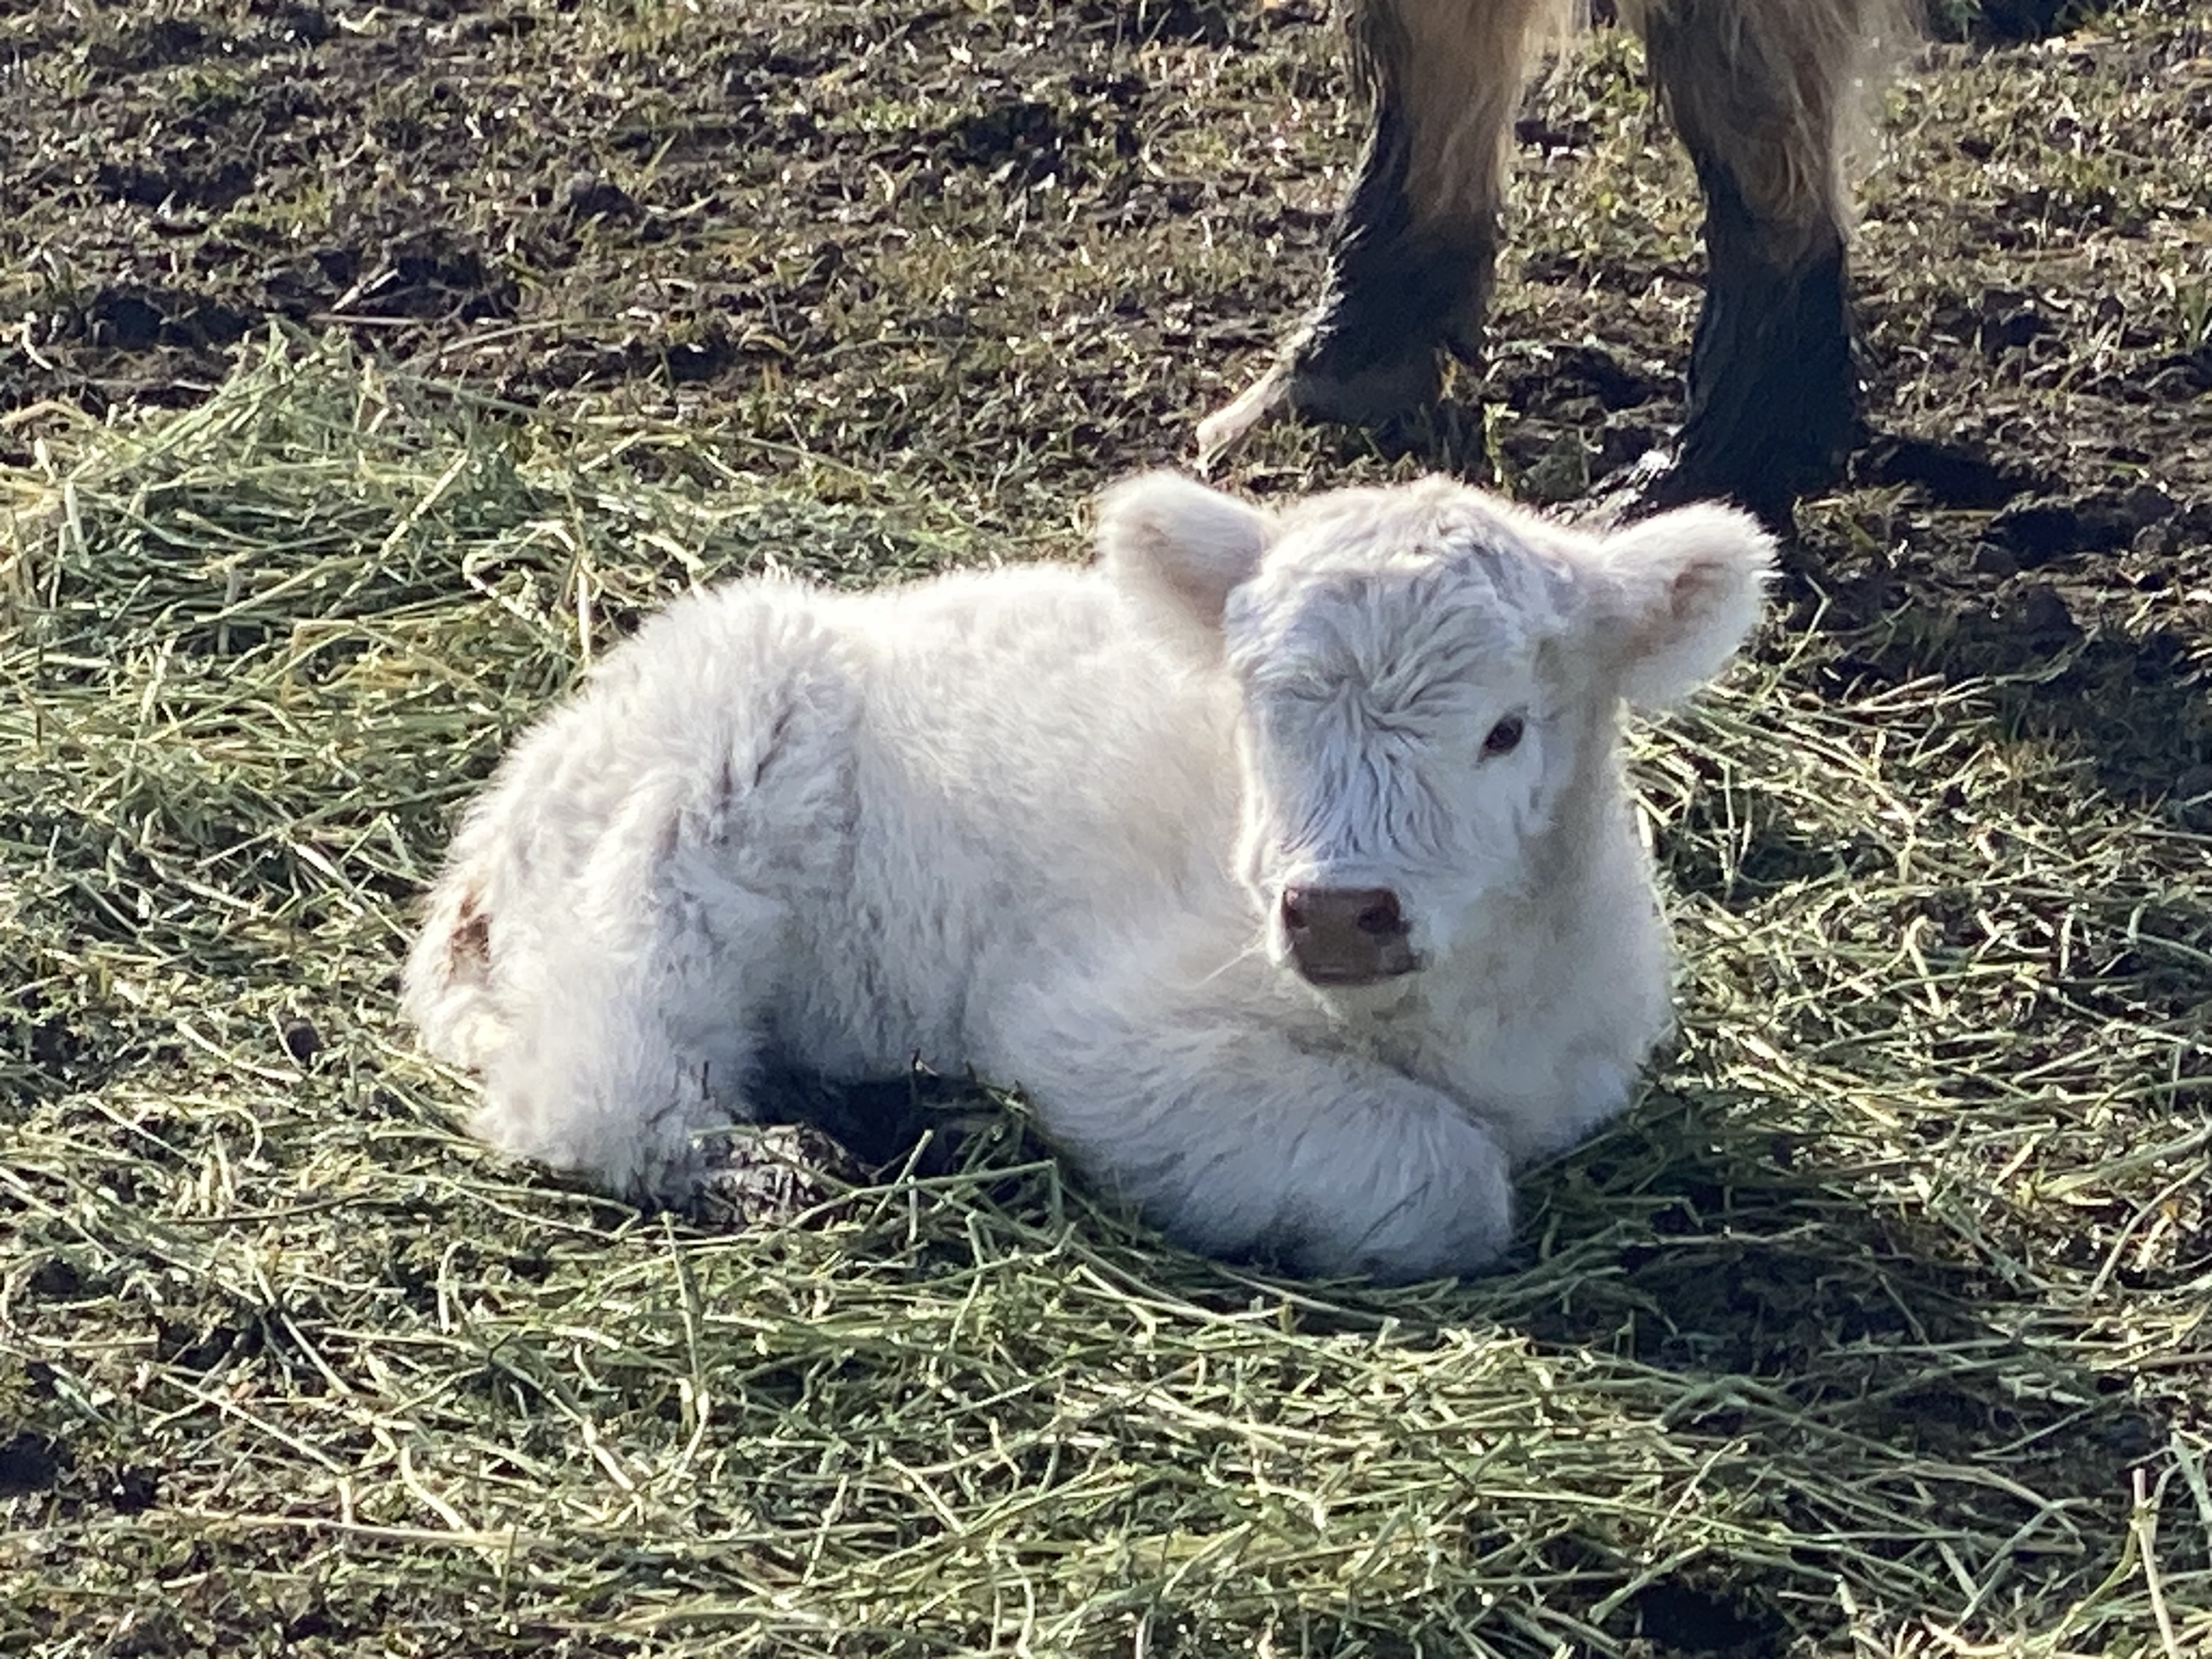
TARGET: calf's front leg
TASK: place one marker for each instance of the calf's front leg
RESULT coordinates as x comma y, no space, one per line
1235,1137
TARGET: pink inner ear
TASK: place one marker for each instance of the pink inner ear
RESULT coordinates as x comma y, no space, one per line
1205,595
1696,587
1190,544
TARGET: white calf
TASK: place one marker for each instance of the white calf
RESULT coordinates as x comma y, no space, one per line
1283,860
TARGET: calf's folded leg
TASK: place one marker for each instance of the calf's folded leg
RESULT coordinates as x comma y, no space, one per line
1237,1139
638,1030
593,951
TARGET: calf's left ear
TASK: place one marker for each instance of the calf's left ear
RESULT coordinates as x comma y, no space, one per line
1677,594
1179,546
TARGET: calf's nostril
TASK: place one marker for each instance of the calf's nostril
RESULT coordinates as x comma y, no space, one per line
1294,912
1381,918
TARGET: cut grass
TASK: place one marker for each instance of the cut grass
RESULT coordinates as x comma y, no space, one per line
1876,1329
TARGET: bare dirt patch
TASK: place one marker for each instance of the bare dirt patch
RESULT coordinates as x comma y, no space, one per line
1003,253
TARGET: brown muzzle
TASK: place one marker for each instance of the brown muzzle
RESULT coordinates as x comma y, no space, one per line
1346,935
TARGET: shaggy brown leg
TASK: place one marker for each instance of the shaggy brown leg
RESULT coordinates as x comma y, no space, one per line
1410,267
1761,91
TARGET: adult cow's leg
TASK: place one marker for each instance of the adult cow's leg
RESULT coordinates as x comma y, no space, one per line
1762,91
1409,269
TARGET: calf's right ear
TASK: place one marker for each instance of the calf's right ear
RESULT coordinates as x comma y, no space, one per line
1180,547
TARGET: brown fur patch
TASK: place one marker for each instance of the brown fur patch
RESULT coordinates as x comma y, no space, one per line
468,948
1775,91
1454,69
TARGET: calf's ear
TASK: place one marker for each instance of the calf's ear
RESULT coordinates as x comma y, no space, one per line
1676,595
1179,546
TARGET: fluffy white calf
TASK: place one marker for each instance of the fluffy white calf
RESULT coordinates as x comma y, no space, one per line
1282,859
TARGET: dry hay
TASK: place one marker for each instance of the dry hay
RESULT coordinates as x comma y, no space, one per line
1877,1329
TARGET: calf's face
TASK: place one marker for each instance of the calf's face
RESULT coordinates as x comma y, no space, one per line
1428,683
1408,737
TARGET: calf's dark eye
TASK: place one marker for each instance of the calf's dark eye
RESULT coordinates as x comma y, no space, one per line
1504,737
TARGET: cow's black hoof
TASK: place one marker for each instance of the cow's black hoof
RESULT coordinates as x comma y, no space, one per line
1669,478
1657,481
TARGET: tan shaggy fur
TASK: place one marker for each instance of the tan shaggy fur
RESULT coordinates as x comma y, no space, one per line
1772,89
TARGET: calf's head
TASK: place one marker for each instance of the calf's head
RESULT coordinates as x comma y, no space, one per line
1428,682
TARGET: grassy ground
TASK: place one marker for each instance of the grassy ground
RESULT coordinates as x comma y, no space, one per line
1878,1329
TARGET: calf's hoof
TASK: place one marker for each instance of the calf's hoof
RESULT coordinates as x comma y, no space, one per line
771,1173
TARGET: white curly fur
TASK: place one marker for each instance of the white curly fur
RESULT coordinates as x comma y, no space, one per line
1037,822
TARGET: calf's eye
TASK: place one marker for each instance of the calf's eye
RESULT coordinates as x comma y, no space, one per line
1504,737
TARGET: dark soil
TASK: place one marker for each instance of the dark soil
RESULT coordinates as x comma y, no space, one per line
1003,253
